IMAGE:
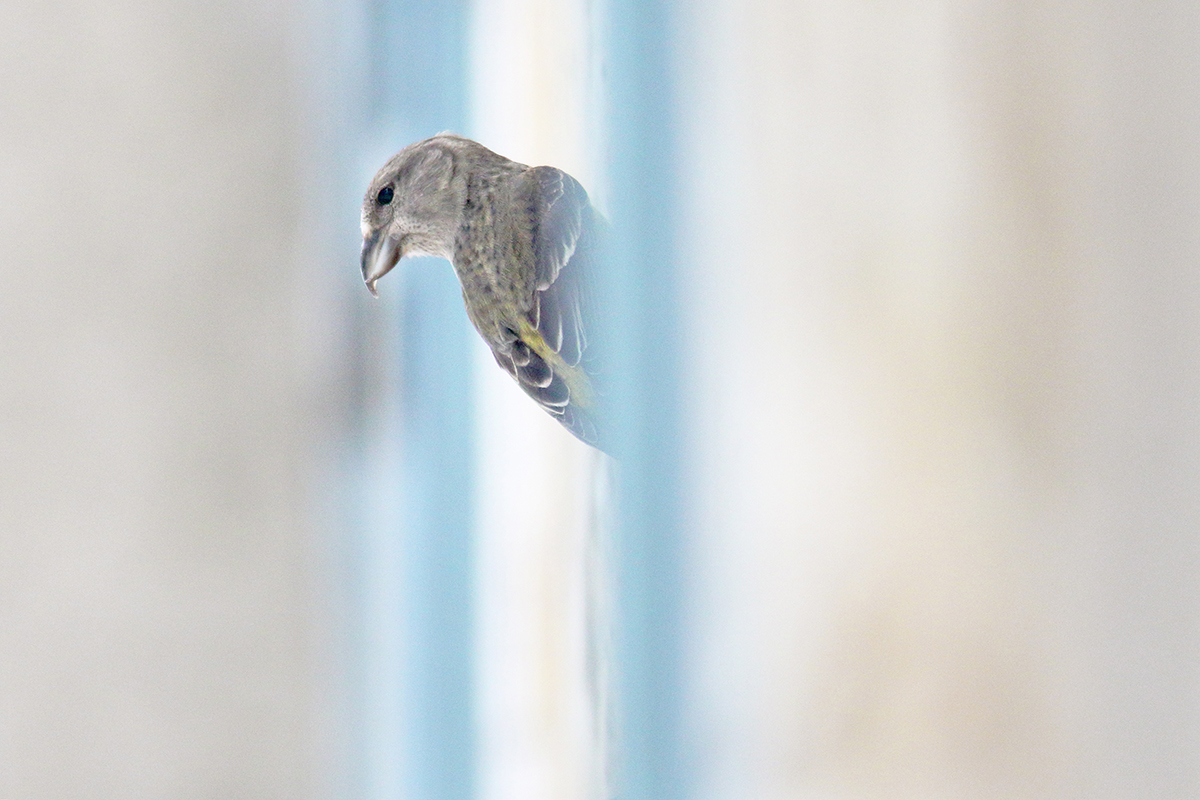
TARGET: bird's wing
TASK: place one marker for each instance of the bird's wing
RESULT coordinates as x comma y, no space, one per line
564,244
551,359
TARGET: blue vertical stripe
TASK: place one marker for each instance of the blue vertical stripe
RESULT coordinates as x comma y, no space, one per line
416,60
640,284
437,439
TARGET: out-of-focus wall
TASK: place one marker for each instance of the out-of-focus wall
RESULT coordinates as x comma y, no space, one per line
941,269
160,404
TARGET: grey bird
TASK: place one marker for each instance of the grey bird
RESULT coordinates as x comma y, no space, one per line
524,242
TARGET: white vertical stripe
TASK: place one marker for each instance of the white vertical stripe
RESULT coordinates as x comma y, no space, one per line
532,102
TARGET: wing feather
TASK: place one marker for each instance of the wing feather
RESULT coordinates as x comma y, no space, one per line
551,361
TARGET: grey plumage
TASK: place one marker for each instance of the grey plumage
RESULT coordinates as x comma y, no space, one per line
524,242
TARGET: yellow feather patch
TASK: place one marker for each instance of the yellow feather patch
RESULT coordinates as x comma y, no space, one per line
576,379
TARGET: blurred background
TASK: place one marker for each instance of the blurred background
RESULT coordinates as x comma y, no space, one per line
908,299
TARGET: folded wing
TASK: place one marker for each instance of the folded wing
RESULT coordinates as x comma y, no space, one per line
551,357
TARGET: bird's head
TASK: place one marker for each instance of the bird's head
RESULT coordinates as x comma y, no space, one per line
412,207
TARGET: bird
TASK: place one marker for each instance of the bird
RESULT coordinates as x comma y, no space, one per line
525,243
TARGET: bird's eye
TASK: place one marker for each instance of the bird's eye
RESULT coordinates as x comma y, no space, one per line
385,196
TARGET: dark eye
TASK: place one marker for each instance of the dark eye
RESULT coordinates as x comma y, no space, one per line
385,196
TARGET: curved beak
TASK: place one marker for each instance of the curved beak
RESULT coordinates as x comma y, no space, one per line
379,255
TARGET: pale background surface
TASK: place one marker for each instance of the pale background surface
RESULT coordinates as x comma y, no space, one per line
941,268
943,272
160,405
